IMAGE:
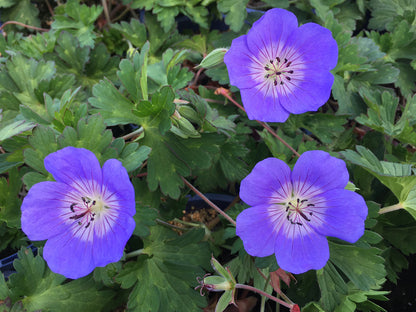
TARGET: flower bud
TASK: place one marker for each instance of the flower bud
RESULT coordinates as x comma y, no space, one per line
214,58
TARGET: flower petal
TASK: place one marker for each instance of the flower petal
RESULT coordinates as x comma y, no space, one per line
268,182
77,167
316,45
117,190
269,34
299,250
263,104
109,247
257,232
308,93
43,208
242,66
70,255
317,172
343,214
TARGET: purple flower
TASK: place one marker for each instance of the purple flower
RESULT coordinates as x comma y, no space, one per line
86,215
281,68
294,211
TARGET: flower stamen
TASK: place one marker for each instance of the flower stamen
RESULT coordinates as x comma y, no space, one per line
294,210
278,71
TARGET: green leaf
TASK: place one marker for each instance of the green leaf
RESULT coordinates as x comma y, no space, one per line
23,11
235,12
78,20
226,298
38,288
135,32
20,79
144,218
172,266
15,128
333,288
397,177
115,108
363,266
384,12
169,71
9,198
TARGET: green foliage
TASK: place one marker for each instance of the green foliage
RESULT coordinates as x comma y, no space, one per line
22,11
170,264
35,287
122,82
78,19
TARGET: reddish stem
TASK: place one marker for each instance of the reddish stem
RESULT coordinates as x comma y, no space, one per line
23,25
224,92
247,287
210,203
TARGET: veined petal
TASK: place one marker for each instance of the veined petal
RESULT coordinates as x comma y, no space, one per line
317,172
243,67
256,230
268,182
263,104
42,210
299,249
77,167
309,93
70,256
342,214
109,247
269,34
317,46
117,190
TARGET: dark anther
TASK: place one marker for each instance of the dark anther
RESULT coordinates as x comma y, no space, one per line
72,207
266,67
275,82
303,200
298,200
267,76
285,61
298,223
287,208
278,73
79,223
281,82
83,199
271,61
287,217
303,216
94,202
76,217
311,213
278,59
288,64
311,205
288,78
88,224
290,72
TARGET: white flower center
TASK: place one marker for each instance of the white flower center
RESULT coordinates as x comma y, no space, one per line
278,71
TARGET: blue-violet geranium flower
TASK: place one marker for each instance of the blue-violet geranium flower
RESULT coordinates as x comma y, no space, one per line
294,211
281,68
86,216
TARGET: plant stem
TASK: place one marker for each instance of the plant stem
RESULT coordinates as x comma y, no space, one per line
251,288
224,92
210,203
135,253
263,299
106,13
23,25
132,134
391,208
